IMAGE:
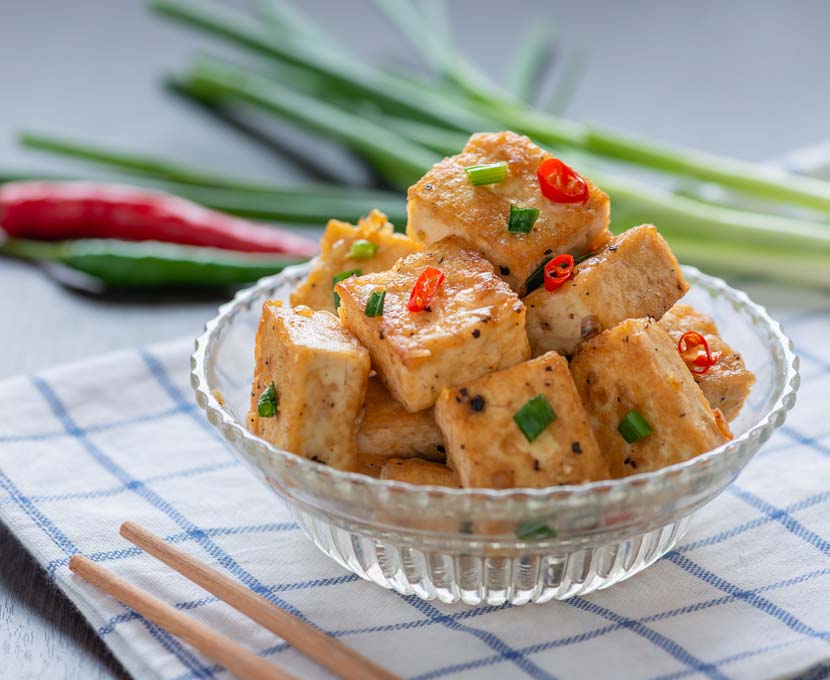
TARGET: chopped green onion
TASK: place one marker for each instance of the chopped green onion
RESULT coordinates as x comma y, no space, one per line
534,417
375,305
537,277
586,256
535,530
362,250
521,220
634,427
492,173
266,406
342,276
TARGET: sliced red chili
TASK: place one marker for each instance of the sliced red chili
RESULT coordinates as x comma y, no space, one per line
558,270
560,183
424,290
694,350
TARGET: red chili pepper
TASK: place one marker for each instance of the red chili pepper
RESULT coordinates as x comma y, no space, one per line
558,270
560,183
690,345
424,290
52,211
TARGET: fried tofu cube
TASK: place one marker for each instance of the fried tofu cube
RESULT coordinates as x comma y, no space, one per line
319,371
486,444
473,325
727,383
417,471
390,431
635,276
335,245
635,366
370,464
445,202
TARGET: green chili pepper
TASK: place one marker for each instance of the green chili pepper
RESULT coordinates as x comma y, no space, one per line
149,264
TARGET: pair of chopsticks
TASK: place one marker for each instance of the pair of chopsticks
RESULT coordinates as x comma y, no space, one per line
241,661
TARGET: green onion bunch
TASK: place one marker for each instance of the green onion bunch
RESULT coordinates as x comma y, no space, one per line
400,122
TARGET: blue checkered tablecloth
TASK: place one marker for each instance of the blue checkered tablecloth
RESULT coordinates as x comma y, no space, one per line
86,446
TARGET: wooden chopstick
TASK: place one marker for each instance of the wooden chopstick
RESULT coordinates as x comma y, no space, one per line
314,643
239,660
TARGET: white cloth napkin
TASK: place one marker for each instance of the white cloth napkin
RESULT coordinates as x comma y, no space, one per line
87,446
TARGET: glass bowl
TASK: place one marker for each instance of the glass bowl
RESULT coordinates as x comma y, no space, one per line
495,546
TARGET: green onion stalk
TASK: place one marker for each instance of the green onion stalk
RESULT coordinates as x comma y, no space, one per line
487,106
683,219
402,124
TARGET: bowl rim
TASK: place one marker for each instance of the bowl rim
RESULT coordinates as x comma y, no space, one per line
774,417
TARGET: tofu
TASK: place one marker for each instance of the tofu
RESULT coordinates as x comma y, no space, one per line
445,202
417,471
388,430
475,324
320,371
488,450
636,366
370,464
316,291
725,385
635,276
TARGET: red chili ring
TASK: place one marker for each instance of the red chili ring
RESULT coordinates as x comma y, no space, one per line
560,183
558,270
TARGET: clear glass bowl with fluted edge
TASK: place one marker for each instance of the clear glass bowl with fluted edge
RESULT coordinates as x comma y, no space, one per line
495,546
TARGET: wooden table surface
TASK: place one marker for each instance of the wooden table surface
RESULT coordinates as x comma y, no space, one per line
743,78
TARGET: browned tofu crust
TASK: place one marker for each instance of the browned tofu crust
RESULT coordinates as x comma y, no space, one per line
726,384
636,366
475,324
316,291
370,464
390,431
487,448
320,371
445,202
635,276
417,471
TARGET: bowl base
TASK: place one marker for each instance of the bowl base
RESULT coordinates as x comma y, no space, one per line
494,580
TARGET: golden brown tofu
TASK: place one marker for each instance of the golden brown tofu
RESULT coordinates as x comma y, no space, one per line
417,471
727,383
390,431
338,238
473,325
488,447
635,276
319,371
445,202
636,367
370,464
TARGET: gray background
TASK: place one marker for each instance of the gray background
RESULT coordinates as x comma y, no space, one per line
747,79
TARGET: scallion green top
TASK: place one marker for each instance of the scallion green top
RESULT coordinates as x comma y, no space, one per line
491,173
374,307
634,427
521,220
342,276
268,403
534,417
362,250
